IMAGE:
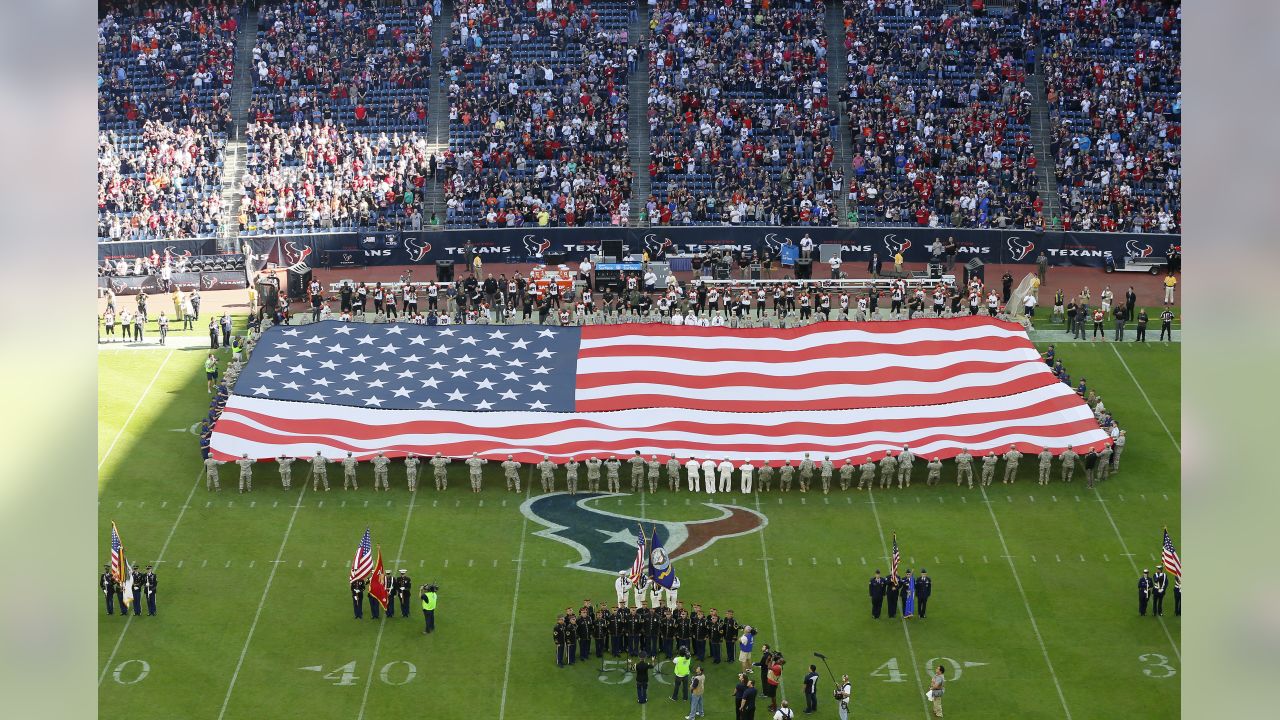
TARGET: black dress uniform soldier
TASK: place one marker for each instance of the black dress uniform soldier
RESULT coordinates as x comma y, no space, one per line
924,588
404,588
584,632
374,605
1159,584
389,583
894,589
560,635
139,578
640,619
571,638
651,628
357,598
601,627
684,629
149,589
876,588
666,631
1144,592
622,630
713,635
729,631
700,634
112,591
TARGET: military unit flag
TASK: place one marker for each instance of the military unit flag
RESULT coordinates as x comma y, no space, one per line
377,584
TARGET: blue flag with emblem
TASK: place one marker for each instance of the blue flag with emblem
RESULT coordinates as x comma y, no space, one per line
660,570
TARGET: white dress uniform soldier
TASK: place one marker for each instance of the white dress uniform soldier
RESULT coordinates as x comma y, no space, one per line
806,473
694,467
571,475
746,471
935,472
286,471
380,470
726,475
411,463
888,469
1046,464
439,469
319,472
1068,459
825,471
766,477
211,474
474,463
637,472
611,482
246,472
785,474
593,473
548,474
1011,459
964,467
1104,462
866,474
988,468
672,593
905,460
1119,449
673,473
846,474
709,476
622,586
349,472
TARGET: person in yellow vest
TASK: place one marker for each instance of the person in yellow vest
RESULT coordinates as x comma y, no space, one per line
429,607
682,661
1169,283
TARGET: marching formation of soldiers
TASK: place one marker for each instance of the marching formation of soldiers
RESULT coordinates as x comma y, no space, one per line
143,588
644,632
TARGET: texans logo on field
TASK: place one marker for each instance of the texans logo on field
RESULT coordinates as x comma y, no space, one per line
295,258
655,246
1019,248
534,247
606,541
417,248
172,252
1135,250
894,245
775,246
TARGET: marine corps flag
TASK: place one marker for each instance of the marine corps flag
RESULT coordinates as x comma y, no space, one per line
660,570
377,586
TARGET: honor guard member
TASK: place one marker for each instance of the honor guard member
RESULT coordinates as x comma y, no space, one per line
403,587
211,474
559,635
746,473
684,632
389,582
825,471
615,629
1177,596
439,470
111,591
876,589
694,468
653,467
357,598
846,474
548,474
1144,592
319,472
571,637
924,587
1068,459
601,627
611,475
905,459
866,473
1011,459
663,621
888,469
474,463
286,471
1159,584
349,472
139,579
584,632
411,463
715,628
380,468
1046,464
622,586
892,590
700,634
729,634
637,472
624,621
571,475
785,473
673,473
935,472
1119,448
149,589
429,598
988,468
725,469
964,467
806,473
593,474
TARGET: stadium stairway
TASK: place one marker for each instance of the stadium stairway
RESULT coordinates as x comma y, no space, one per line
438,111
1042,135
236,152
837,79
637,112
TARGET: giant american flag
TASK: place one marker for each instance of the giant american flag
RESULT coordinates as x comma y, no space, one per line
847,390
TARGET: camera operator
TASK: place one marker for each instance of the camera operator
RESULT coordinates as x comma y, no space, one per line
429,606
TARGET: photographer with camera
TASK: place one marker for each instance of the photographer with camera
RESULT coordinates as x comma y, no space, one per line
429,597
843,692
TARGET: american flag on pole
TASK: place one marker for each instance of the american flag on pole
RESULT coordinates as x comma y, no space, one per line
637,565
362,564
121,570
847,390
893,571
1169,556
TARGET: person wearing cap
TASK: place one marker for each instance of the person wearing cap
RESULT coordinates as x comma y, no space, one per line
285,464
211,474
806,472
439,469
380,471
402,586
1011,459
349,472
673,473
888,469
1144,591
622,587
681,683
571,476
149,589
746,642
319,472
611,482
139,578
411,463
843,692
112,591
474,463
246,472
905,459
924,588
593,473
637,471
1159,585
1116,452
547,477
653,467
964,467
876,589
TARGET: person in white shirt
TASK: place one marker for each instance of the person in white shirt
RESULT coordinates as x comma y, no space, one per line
835,266
692,466
784,712
748,472
677,319
1029,306
717,320
843,692
691,319
709,474
726,475
622,586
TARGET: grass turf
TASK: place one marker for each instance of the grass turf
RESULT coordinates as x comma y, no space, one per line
237,632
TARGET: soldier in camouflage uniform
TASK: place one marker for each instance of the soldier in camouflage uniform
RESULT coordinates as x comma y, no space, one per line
654,467
211,474
866,474
511,471
1115,457
349,472
1011,459
381,466
637,472
888,468
246,473
905,459
286,471
935,472
548,470
766,477
846,474
1068,459
784,476
673,474
806,473
825,473
593,474
571,475
1046,464
1104,463
988,468
319,472
439,469
411,463
475,462
611,482
964,467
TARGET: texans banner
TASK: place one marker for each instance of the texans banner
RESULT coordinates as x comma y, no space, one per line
847,390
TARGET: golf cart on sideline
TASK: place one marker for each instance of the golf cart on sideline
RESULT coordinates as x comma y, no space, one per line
1150,264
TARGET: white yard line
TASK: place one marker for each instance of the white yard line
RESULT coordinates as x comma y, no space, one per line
136,405
163,548
515,603
1144,397
1124,547
262,599
373,664
1030,615
884,547
768,586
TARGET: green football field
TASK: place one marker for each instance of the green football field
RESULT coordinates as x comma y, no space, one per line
1033,610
